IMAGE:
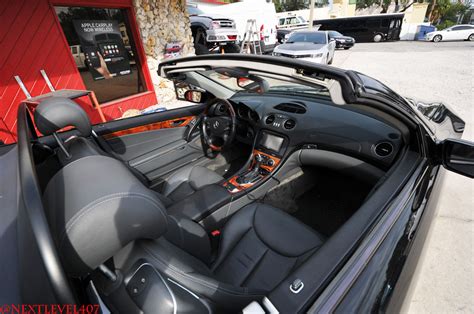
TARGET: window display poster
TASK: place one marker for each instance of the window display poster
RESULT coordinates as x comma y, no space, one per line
104,51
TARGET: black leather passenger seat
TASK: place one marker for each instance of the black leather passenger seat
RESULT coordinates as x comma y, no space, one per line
259,247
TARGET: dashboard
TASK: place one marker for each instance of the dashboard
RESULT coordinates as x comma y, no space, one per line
281,124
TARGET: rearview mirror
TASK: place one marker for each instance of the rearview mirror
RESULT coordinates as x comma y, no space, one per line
458,156
244,82
252,83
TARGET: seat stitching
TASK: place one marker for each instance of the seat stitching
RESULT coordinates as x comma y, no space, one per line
194,279
86,209
255,267
216,266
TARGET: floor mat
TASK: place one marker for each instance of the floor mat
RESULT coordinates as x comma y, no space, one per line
331,202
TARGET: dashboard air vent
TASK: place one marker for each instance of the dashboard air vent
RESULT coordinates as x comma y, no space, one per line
289,124
270,119
292,107
383,149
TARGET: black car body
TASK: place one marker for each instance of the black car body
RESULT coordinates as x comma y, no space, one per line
296,115
342,41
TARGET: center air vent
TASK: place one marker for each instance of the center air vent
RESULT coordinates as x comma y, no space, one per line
383,149
289,124
292,107
270,119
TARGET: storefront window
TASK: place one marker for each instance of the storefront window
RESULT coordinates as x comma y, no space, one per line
103,49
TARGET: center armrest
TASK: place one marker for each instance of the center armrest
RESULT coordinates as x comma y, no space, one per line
201,203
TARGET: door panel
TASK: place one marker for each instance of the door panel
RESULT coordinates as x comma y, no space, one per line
157,164
154,144
137,146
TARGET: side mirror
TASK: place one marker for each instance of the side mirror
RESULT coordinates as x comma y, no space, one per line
458,156
194,96
331,39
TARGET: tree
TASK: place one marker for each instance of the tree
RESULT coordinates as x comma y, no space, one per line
444,13
290,5
400,5
383,4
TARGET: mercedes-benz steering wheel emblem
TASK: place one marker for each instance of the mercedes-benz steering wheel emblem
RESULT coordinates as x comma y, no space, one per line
215,124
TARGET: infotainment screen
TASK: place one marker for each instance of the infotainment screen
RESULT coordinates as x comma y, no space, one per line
271,142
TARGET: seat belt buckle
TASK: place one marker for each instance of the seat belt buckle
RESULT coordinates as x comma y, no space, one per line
215,233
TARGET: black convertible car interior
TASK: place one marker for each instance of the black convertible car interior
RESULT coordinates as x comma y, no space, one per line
252,199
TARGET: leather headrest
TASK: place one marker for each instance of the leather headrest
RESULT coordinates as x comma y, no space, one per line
56,113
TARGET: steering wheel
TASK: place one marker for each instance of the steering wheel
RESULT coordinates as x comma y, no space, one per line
218,131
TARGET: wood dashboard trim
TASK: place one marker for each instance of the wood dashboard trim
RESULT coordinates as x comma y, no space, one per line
241,187
168,124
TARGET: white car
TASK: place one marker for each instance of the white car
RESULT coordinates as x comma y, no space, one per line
314,46
457,32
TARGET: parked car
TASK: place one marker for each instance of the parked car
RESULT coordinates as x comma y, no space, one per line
342,41
314,46
262,11
289,23
457,32
212,32
287,187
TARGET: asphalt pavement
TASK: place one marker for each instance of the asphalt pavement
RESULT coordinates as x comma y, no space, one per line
442,72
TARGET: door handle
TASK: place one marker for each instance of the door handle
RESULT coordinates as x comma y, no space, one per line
177,122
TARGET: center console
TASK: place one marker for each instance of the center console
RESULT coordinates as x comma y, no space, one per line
265,159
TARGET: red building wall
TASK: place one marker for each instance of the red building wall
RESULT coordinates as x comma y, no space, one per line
31,39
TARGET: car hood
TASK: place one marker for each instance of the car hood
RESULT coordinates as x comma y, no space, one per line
343,37
214,16
299,47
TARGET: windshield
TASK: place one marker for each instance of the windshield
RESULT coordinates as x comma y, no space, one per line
335,34
194,10
272,85
307,37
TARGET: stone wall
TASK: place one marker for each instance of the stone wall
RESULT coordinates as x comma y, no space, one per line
161,22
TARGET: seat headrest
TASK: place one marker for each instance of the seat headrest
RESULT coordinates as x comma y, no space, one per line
55,113
95,206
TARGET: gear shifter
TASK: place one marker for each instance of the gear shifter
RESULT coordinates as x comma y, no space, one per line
252,174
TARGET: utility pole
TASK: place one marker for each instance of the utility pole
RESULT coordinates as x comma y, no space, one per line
311,15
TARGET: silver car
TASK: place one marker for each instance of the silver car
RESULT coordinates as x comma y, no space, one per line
314,46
